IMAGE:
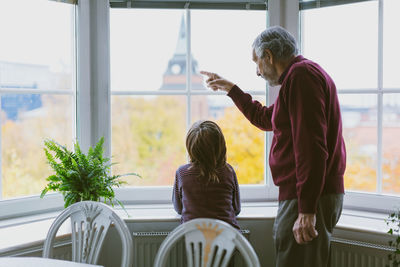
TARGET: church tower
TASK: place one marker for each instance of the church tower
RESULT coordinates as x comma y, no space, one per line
175,76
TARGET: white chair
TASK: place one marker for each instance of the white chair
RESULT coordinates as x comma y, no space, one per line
209,243
90,222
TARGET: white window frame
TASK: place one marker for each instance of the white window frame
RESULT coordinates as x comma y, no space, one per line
94,121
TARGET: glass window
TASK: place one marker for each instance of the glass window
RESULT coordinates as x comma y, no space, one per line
391,144
359,115
148,137
221,43
153,105
26,120
345,46
141,47
245,143
391,44
36,89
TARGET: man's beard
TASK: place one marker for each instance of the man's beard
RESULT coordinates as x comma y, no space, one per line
272,81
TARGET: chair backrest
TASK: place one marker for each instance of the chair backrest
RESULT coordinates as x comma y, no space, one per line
209,243
90,222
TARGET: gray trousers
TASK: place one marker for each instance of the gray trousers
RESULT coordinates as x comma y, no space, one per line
316,252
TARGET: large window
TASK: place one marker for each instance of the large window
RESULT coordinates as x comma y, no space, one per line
36,90
154,100
157,49
357,45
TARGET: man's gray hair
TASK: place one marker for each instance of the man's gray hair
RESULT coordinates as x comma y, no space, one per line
278,40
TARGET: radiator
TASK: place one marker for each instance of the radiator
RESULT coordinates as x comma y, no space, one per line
348,253
146,245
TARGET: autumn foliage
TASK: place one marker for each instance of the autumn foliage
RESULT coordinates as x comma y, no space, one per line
148,136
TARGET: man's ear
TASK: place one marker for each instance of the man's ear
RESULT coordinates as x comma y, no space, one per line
268,56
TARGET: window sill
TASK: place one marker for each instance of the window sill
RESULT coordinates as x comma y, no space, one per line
28,231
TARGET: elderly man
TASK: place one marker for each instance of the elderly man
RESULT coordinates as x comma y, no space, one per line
308,155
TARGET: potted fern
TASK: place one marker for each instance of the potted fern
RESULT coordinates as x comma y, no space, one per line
79,176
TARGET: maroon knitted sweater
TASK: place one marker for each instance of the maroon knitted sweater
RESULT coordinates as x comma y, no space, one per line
308,155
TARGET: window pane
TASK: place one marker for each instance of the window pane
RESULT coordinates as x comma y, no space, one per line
245,143
221,43
391,143
391,44
141,47
148,137
345,45
36,51
359,117
26,120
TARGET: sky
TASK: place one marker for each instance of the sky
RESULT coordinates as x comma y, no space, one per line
142,42
333,36
36,32
346,46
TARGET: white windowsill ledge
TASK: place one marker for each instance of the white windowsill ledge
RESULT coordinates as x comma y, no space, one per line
32,230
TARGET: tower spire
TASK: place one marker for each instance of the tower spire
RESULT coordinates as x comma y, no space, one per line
175,75
181,44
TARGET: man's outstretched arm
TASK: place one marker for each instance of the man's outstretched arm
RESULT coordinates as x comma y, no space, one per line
258,114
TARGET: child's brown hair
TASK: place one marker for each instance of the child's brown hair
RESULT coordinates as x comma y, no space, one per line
206,146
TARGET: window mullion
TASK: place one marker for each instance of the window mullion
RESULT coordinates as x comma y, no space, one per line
100,73
74,75
188,69
379,148
284,13
83,101
380,98
94,74
1,151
